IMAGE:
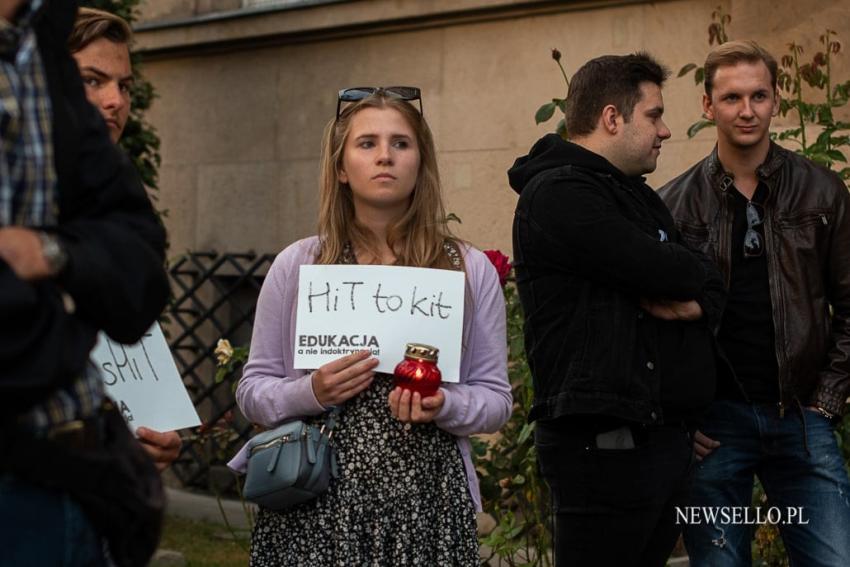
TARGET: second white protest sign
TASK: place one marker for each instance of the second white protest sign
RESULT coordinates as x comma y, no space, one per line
344,309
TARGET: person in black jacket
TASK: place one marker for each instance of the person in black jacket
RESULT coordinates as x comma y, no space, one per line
80,251
618,320
100,44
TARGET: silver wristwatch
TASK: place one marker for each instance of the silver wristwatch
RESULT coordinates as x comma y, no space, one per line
53,252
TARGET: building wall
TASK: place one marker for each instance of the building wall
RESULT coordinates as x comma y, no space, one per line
243,99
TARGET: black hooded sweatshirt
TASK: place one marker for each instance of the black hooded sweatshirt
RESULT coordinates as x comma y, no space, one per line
589,243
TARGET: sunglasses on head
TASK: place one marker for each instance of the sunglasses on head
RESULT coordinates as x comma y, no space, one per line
354,94
753,239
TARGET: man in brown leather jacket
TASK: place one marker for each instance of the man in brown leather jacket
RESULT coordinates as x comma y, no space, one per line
778,226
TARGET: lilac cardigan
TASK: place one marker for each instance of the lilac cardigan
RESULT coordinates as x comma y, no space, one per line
271,391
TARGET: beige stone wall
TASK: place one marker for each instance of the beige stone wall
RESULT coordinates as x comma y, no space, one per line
243,100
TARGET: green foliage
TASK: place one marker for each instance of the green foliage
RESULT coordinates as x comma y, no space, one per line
699,125
451,217
140,140
767,547
127,9
229,360
795,76
547,111
716,35
511,488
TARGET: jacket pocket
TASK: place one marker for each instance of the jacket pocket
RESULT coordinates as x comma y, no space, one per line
803,219
611,343
803,231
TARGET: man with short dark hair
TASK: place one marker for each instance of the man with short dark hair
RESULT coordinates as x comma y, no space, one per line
778,225
100,44
618,318
80,251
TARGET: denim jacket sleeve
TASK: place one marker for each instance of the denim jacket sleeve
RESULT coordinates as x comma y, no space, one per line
589,234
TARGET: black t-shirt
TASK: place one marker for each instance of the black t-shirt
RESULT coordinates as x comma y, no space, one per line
746,332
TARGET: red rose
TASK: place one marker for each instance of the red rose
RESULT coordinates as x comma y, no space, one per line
502,264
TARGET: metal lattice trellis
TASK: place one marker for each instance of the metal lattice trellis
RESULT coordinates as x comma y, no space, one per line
215,297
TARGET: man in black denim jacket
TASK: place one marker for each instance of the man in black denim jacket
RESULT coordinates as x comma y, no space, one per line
618,320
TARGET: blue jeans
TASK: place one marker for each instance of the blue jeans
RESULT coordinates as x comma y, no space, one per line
801,468
40,527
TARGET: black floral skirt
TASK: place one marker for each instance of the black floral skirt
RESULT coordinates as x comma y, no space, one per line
401,498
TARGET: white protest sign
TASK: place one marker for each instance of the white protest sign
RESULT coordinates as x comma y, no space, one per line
344,309
144,382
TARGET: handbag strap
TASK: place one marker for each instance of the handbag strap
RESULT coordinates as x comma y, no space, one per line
323,443
452,250
330,421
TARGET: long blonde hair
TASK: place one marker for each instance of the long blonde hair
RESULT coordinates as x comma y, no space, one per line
416,238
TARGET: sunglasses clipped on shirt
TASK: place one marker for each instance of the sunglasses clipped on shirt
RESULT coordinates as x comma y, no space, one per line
753,239
354,94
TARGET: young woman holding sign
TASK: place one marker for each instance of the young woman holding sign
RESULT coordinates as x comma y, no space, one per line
407,491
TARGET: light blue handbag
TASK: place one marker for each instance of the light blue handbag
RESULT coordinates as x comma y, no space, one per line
291,464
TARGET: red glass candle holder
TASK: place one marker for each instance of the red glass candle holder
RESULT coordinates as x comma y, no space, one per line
418,371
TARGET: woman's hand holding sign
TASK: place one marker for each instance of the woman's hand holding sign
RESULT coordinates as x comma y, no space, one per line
343,378
407,406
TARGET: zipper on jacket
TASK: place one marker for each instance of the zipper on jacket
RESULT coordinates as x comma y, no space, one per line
776,296
724,240
823,219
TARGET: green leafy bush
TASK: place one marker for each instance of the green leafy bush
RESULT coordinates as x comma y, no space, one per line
511,488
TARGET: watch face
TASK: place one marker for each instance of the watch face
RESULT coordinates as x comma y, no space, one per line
53,252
